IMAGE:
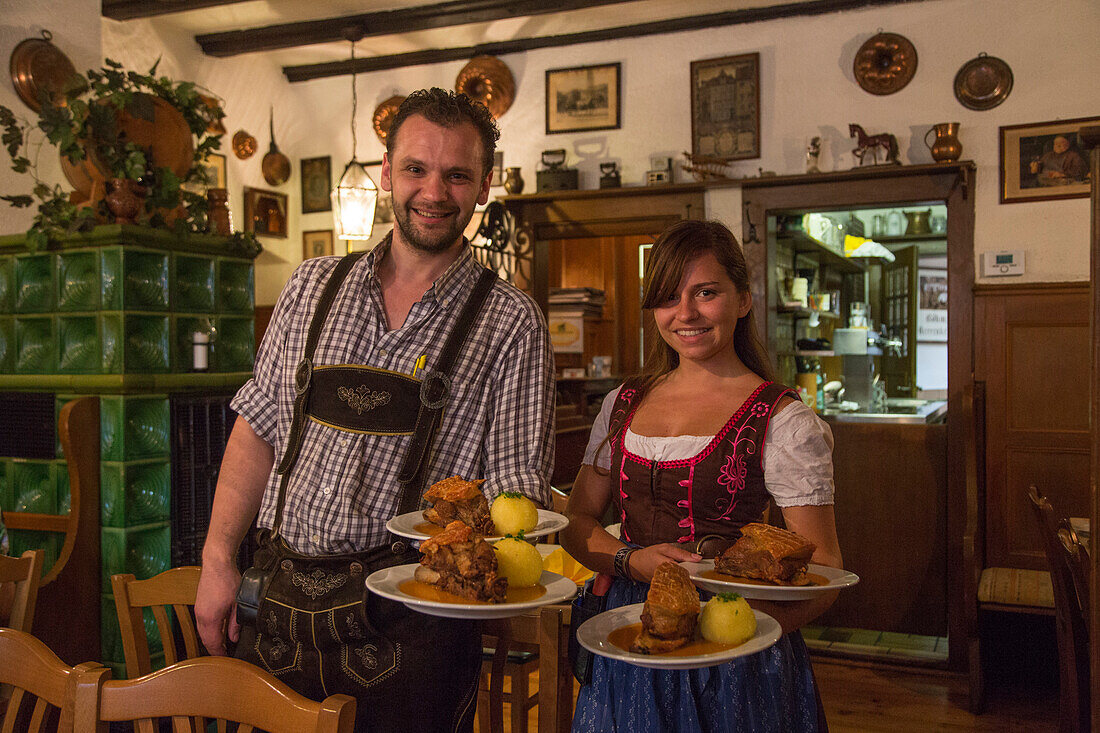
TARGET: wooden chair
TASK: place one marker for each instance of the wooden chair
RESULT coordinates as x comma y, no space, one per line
220,688
25,572
1070,613
505,657
173,590
42,687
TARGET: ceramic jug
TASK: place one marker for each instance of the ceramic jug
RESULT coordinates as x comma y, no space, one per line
513,181
945,147
918,222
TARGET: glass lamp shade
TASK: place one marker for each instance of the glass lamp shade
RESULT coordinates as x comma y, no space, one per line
353,202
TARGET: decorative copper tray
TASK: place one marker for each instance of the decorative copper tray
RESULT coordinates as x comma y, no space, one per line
885,63
37,67
384,114
488,80
244,145
983,82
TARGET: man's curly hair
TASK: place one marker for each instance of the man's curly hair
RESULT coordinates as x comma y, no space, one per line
448,109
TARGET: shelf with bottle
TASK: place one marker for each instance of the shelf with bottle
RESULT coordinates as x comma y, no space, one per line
807,247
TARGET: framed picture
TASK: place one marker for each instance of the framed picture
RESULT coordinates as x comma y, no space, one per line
1044,160
265,212
214,170
725,107
316,184
583,98
317,243
498,168
932,304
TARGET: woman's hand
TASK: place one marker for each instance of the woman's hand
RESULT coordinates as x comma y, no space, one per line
643,563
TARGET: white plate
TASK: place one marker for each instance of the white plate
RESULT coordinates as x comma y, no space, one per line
837,579
404,525
593,633
387,581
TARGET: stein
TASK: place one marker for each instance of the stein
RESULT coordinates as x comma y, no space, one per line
945,147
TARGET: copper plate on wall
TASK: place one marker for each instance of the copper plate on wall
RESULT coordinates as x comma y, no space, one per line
885,63
384,114
983,82
244,145
488,80
37,66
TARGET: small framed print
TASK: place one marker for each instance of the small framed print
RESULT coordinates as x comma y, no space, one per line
725,107
213,169
265,212
1045,160
316,184
317,243
583,98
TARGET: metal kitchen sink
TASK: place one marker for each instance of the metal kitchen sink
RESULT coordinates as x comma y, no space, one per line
898,410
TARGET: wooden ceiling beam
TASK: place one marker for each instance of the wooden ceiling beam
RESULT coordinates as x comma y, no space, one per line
134,9
306,72
387,22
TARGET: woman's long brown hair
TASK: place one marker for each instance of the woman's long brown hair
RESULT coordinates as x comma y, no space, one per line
670,255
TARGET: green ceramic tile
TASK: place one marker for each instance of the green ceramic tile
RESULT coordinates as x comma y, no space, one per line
110,278
232,348
5,484
143,551
811,632
134,493
145,280
908,641
7,345
33,487
21,540
7,284
35,345
78,281
111,340
133,428
78,345
34,290
193,285
236,288
146,347
111,635
183,331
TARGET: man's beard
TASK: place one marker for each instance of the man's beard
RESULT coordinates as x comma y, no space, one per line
425,242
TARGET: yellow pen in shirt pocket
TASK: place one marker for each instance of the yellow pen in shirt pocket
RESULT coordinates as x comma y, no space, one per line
419,364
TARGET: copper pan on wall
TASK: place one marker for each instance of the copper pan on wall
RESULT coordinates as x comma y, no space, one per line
885,63
384,114
488,80
39,68
275,166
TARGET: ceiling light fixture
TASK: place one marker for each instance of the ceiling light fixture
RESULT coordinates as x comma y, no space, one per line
354,198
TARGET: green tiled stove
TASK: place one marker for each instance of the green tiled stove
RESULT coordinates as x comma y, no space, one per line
112,313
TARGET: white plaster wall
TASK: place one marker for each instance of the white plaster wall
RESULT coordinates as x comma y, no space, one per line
807,89
75,28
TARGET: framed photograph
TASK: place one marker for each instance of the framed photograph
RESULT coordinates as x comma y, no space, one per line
1044,160
316,184
214,169
583,98
265,212
932,304
725,107
317,243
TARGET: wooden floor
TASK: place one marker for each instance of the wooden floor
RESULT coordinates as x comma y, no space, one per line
867,699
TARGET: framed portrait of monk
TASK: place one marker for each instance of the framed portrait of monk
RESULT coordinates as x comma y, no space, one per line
1045,160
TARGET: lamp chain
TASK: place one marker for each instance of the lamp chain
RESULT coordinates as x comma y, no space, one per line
354,107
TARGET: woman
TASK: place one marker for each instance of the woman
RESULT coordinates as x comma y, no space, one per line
680,453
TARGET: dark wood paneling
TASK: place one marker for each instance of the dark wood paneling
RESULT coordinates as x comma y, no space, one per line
263,317
1032,351
892,526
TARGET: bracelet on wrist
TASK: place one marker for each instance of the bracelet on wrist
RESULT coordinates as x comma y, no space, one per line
622,557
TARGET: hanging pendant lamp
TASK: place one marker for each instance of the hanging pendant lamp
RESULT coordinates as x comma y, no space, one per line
355,196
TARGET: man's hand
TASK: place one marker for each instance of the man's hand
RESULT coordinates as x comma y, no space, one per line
216,608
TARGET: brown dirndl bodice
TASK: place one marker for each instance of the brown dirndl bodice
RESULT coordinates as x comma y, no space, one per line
715,492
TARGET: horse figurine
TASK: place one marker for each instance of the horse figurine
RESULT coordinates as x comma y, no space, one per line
871,143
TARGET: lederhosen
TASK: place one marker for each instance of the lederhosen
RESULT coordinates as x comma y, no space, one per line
309,619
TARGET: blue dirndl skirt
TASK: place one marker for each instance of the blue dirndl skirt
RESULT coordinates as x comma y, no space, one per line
772,690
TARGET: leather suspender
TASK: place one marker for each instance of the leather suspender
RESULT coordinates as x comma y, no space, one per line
434,390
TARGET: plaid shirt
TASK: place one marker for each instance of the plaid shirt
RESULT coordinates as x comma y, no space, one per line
497,425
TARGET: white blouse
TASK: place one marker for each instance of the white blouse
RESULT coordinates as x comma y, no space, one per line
797,460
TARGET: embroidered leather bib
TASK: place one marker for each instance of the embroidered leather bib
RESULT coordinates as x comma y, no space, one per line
714,492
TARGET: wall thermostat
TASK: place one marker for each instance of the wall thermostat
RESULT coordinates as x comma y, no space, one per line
999,264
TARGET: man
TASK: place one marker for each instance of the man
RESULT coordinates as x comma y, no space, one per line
392,314
1060,165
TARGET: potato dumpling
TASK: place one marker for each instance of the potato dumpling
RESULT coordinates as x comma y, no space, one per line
727,619
513,513
519,562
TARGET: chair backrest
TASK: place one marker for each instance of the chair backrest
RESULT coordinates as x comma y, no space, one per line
173,590
219,688
1071,620
42,688
25,572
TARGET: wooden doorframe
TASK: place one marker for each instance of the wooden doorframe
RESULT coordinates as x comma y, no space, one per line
953,185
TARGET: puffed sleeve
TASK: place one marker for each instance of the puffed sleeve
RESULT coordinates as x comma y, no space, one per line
798,458
599,432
